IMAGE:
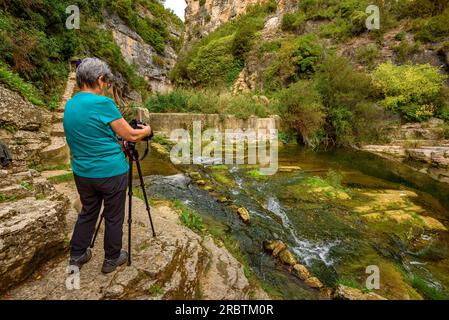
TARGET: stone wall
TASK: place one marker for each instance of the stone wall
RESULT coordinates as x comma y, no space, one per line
165,123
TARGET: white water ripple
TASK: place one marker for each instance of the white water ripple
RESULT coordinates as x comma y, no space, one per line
305,249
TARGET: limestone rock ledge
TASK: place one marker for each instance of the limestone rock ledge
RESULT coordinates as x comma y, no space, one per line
32,225
177,264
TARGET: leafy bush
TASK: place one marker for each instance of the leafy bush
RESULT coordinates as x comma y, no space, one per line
347,95
296,59
15,83
214,64
406,50
412,90
300,106
368,55
435,28
293,21
243,41
419,8
223,50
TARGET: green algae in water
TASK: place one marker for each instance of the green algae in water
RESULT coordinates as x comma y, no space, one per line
378,224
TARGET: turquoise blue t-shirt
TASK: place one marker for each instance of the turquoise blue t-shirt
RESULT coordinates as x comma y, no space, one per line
95,150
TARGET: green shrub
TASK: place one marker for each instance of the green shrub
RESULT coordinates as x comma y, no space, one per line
270,46
368,55
206,101
189,218
318,9
338,29
434,29
300,106
215,64
400,36
243,41
419,8
412,90
293,21
296,59
223,51
175,101
345,93
15,83
405,50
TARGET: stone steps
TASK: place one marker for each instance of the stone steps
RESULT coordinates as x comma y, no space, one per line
57,117
57,152
57,130
68,92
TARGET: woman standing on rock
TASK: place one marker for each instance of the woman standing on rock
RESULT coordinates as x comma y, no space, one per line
91,124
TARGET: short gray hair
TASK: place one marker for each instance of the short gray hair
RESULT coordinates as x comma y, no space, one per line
90,70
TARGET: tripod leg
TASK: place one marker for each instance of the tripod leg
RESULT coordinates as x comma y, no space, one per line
130,196
96,231
142,185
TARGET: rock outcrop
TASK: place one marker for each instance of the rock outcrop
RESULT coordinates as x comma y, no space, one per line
32,225
151,65
421,146
202,17
32,212
24,127
279,249
177,264
348,293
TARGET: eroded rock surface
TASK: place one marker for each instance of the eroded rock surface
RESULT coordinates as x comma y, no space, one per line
177,264
24,128
32,225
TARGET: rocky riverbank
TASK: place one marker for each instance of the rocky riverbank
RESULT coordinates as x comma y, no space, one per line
177,264
422,146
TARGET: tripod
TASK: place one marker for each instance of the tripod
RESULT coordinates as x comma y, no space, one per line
133,156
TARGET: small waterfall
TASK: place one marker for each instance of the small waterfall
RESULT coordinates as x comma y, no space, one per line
304,249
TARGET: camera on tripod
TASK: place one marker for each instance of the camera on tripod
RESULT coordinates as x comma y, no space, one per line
135,125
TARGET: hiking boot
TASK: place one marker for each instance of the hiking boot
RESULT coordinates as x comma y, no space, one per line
109,265
81,260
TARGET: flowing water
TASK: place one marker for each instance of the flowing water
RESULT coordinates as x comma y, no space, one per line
338,211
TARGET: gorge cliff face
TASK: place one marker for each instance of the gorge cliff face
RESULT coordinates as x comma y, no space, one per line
153,66
202,17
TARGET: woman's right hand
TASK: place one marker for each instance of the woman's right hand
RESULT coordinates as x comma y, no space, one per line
124,130
147,128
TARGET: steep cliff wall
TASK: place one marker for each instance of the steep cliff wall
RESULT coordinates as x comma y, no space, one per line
153,66
200,19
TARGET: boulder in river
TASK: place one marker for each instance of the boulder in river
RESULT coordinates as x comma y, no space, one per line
244,214
302,272
314,282
287,257
348,293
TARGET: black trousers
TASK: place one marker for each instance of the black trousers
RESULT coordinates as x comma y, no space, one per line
93,192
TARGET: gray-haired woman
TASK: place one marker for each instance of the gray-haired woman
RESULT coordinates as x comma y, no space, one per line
91,124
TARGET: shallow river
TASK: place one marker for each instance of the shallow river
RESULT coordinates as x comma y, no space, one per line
338,211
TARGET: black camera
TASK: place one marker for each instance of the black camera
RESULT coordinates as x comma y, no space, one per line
135,125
